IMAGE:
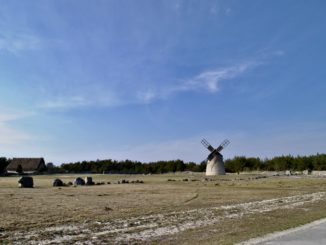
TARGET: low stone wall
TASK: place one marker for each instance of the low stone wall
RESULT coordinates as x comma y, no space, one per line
318,173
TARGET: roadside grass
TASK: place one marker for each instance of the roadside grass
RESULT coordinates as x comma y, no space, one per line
234,231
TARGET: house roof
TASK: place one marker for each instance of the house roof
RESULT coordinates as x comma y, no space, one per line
28,164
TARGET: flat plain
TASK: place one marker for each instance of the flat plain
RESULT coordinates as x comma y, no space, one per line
181,208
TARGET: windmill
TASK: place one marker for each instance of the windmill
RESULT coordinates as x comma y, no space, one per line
215,164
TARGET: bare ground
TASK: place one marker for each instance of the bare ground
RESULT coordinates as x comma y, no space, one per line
159,212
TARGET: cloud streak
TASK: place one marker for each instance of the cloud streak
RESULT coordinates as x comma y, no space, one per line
15,43
66,103
207,81
10,135
103,99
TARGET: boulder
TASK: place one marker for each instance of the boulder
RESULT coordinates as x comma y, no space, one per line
89,181
79,181
26,182
57,182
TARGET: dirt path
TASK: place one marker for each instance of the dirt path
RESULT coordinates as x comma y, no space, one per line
152,227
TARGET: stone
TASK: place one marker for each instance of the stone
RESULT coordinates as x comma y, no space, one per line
26,182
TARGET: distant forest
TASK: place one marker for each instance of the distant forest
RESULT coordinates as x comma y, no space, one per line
237,164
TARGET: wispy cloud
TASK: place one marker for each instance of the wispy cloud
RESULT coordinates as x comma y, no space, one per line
214,10
17,42
206,81
146,96
227,11
10,135
66,102
209,80
90,99
279,52
6,116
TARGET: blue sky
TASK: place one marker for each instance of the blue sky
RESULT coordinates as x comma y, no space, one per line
147,80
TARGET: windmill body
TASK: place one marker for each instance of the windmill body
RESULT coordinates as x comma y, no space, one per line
215,166
215,163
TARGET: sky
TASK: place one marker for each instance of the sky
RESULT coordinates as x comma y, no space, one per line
147,80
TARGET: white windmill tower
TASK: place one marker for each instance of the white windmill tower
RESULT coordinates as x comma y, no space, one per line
215,164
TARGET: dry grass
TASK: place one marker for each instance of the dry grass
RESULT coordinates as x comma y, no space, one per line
158,211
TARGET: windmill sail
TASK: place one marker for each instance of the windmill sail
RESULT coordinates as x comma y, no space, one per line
223,145
207,145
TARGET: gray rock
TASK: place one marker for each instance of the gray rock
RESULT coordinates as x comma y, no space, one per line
89,181
26,182
79,181
57,182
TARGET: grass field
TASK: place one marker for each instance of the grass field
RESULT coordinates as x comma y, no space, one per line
217,210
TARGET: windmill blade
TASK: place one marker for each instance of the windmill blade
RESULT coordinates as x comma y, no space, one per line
224,144
207,145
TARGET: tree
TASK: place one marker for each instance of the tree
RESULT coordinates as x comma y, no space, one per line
19,169
3,164
50,167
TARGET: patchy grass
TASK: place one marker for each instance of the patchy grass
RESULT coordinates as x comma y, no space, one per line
221,209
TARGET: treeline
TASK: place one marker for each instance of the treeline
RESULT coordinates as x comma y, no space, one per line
3,164
132,167
281,163
236,164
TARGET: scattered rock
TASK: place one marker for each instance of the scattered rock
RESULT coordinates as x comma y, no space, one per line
123,181
26,182
108,209
136,182
57,182
89,181
79,181
207,179
101,195
260,177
